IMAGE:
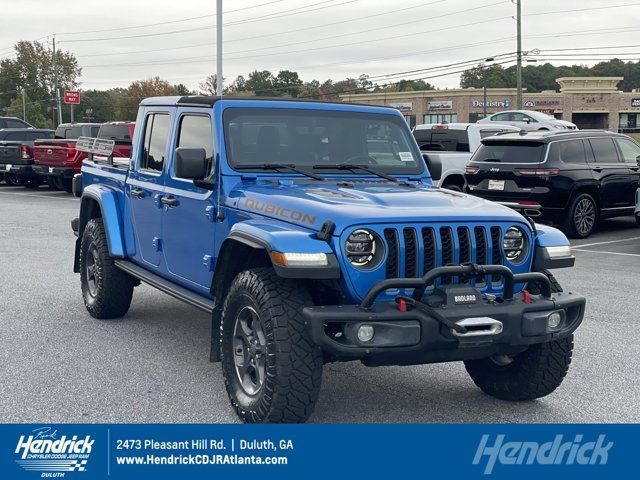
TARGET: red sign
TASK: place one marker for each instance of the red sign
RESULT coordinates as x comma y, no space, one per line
72,96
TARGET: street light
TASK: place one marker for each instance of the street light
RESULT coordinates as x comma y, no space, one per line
484,89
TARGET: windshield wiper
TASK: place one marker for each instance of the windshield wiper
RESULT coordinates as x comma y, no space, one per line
279,166
364,168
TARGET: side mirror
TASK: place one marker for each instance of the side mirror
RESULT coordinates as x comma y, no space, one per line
434,166
191,163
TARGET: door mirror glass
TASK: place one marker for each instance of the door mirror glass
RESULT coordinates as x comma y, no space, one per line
191,163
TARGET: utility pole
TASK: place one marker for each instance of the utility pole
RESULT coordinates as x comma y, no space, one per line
519,55
55,82
484,85
219,83
24,106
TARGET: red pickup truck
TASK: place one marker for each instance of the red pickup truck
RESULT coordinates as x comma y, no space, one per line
58,160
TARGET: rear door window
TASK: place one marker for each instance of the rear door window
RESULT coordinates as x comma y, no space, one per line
443,140
630,151
156,136
604,150
568,151
510,152
501,117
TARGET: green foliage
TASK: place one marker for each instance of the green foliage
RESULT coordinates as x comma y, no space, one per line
33,112
32,70
536,78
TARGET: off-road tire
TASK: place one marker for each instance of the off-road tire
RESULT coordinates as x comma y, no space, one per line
31,182
293,363
534,287
111,296
534,373
571,226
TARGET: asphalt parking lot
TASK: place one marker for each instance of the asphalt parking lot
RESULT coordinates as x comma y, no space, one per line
59,365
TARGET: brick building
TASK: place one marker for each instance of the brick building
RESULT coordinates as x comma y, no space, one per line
589,102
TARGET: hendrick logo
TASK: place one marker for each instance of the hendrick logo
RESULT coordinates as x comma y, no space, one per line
555,452
53,455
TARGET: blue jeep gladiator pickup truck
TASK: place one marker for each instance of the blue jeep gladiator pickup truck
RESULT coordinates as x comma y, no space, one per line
312,233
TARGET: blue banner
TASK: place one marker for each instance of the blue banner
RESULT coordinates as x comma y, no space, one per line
136,451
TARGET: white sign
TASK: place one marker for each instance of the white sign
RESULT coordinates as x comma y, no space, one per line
441,105
491,103
402,106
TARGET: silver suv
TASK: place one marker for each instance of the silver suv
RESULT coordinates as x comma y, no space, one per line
529,120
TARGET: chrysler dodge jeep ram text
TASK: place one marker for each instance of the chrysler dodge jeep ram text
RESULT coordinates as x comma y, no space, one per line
311,232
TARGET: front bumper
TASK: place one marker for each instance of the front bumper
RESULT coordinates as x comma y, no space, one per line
47,171
405,335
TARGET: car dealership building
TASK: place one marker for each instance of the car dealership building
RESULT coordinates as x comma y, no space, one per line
589,102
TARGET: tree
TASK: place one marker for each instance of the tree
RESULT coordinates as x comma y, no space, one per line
138,90
33,110
208,87
287,83
260,83
32,70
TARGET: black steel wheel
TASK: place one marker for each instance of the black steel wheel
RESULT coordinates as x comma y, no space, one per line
250,350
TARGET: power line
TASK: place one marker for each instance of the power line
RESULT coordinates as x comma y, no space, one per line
293,11
171,21
607,7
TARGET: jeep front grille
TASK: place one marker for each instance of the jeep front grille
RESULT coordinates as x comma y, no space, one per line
411,251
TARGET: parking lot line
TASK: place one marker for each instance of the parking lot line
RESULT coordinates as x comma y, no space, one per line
603,243
608,253
59,197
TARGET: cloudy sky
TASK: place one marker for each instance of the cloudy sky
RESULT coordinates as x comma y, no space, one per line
119,41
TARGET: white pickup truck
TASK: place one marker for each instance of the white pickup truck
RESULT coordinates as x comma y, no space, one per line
447,148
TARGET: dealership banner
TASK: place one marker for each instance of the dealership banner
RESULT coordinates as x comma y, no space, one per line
136,451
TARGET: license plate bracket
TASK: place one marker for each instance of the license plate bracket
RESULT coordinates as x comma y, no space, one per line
496,185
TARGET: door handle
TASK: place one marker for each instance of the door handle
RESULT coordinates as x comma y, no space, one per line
137,193
170,201
635,169
597,169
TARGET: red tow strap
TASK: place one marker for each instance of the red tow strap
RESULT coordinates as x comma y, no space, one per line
526,296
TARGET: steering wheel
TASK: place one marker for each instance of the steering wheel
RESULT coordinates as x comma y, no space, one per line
369,160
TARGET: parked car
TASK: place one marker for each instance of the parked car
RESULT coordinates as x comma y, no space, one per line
576,177
311,234
16,155
13,122
529,120
57,159
447,148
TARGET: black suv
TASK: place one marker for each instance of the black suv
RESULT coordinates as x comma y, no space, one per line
16,155
575,177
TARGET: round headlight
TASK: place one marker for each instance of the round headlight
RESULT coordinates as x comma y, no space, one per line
515,245
364,249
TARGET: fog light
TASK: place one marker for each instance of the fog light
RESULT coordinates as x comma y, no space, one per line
553,320
365,333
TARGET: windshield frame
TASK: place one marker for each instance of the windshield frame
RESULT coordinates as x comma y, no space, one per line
419,170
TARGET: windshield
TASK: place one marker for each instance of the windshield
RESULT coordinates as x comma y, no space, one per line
510,152
312,138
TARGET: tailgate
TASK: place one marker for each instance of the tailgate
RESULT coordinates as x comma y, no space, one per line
507,168
9,153
54,152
